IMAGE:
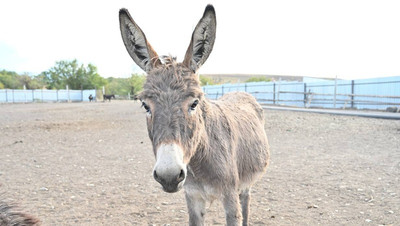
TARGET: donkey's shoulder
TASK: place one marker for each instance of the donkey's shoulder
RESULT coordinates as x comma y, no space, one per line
241,101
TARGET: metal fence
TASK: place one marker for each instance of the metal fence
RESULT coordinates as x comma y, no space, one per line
377,93
43,95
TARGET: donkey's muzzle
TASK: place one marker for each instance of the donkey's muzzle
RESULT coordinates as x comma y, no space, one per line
170,170
171,183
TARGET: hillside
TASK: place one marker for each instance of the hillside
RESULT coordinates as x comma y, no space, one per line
240,78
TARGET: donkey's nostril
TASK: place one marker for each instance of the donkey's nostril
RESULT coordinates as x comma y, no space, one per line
156,176
181,176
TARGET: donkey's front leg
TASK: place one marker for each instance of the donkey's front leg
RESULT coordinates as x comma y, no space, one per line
232,208
197,208
245,203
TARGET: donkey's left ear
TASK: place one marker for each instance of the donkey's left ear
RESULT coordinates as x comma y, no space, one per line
202,42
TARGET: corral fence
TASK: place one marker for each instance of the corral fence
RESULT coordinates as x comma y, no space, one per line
379,93
44,95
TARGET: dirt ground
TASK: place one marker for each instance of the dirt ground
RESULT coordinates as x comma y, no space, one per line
91,164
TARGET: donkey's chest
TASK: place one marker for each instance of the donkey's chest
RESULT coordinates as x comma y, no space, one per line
201,188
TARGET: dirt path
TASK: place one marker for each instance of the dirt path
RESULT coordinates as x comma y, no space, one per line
91,164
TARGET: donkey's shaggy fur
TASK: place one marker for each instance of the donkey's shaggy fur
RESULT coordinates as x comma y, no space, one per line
11,215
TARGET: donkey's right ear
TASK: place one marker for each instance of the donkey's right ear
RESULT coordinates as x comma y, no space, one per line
136,43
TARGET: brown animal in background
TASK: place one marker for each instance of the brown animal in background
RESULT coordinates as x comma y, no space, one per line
108,97
214,149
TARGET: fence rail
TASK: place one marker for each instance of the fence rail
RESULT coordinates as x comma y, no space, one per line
43,95
356,94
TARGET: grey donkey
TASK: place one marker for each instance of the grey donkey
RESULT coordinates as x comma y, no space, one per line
213,149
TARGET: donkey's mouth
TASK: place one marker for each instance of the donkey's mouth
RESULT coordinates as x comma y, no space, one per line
172,188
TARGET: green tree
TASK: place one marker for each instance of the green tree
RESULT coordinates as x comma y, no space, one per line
29,82
10,80
136,83
123,86
119,86
41,81
1,85
72,74
94,80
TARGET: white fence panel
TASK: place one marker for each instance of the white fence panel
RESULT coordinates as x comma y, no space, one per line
43,95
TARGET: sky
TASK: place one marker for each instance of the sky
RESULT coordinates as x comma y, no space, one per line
350,39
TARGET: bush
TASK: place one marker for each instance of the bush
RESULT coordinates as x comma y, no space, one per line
204,80
258,79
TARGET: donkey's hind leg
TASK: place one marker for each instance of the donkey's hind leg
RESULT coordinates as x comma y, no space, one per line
245,203
197,208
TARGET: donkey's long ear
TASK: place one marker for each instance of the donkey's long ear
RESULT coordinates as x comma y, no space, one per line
202,42
136,43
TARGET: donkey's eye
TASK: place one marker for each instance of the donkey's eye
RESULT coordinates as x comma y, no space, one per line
146,107
193,106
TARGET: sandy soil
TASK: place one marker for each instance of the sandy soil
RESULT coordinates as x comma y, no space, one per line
91,164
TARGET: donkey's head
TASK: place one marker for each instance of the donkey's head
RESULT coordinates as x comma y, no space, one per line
172,97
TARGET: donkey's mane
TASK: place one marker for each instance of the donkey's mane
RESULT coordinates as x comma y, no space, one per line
171,76
168,60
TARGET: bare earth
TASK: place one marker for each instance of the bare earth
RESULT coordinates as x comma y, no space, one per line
91,164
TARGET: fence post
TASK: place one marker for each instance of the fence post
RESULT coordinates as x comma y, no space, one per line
305,94
222,90
25,94
352,94
274,92
334,96
41,93
57,94
13,95
6,96
216,96
279,90
33,96
68,93
245,87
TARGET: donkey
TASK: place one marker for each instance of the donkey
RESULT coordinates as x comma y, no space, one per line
214,149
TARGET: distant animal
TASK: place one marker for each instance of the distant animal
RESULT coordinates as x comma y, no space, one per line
90,97
393,109
214,149
108,97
